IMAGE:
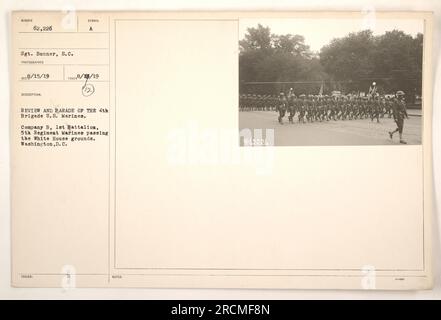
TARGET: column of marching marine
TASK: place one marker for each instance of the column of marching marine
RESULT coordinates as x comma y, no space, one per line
320,108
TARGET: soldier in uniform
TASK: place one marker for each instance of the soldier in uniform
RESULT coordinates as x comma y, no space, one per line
343,108
291,105
261,103
270,102
382,107
399,112
364,108
337,108
332,109
308,108
375,109
314,106
320,109
389,107
359,108
264,102
274,102
347,107
325,108
255,101
354,107
302,108
282,106
251,101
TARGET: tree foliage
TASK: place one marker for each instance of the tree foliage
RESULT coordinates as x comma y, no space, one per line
393,60
267,57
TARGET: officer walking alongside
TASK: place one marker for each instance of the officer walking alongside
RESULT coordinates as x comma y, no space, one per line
399,112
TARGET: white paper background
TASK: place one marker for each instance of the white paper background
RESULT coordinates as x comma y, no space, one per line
15,293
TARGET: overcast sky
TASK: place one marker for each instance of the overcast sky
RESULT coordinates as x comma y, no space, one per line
319,32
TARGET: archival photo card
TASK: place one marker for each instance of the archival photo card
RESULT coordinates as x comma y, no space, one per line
145,150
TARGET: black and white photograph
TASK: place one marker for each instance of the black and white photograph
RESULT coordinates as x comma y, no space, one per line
333,81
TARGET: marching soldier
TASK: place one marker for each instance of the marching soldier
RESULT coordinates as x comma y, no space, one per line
283,103
291,105
375,109
274,103
383,107
337,108
320,109
308,108
399,112
314,107
389,107
302,108
327,110
332,109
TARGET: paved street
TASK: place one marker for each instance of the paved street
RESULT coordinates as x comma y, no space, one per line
341,132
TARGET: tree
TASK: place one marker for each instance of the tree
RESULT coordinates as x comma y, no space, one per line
256,39
266,57
351,63
398,57
292,44
393,60
349,58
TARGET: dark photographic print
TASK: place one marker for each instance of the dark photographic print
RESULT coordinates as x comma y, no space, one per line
330,82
